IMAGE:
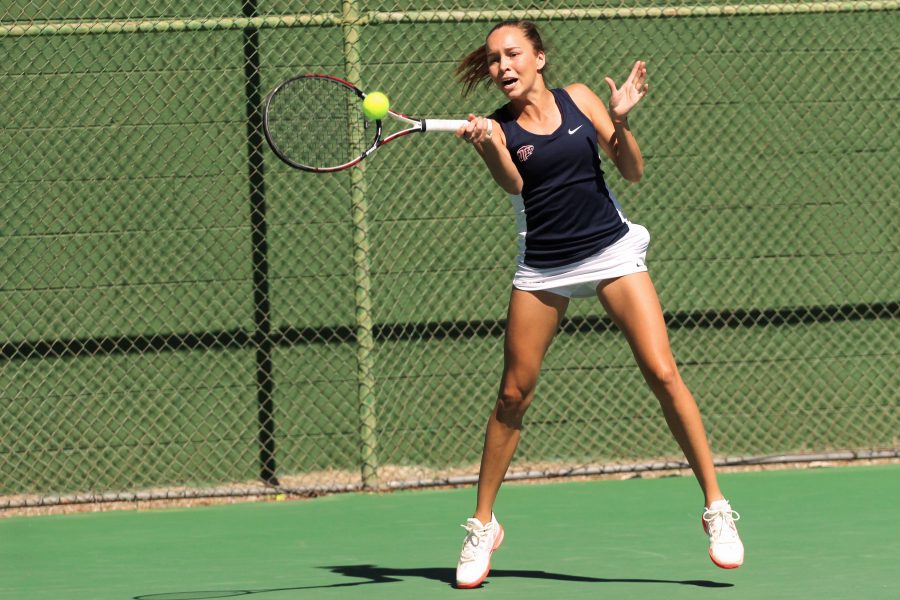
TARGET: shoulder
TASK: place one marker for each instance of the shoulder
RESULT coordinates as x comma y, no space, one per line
502,114
582,95
590,105
577,88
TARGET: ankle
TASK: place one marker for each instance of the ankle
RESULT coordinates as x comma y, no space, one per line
713,498
485,518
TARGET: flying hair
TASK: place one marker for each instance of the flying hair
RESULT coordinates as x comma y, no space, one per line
473,69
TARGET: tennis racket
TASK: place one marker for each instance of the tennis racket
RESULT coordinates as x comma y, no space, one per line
315,123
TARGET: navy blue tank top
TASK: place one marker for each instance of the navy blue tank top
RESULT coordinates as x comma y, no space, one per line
569,213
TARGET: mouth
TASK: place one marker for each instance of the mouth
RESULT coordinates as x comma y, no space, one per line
508,83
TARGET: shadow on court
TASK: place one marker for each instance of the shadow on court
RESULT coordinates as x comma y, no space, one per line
375,574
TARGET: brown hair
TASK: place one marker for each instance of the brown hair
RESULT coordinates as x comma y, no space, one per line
473,69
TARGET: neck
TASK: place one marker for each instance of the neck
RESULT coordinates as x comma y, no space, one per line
536,101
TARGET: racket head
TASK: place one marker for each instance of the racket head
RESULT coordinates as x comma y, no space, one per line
315,123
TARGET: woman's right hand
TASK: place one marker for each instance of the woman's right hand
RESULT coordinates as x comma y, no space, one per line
477,131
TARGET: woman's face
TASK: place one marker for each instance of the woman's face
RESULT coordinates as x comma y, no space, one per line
512,61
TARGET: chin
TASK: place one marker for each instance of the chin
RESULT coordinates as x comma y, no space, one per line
511,93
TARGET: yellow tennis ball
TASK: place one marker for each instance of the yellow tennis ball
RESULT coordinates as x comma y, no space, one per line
375,106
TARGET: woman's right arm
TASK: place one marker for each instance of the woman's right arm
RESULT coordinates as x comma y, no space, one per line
492,150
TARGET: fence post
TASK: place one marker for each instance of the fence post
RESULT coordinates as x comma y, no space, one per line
365,342
261,308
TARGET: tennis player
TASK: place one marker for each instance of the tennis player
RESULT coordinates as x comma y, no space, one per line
543,148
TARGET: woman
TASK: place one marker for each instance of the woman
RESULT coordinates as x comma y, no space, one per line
542,148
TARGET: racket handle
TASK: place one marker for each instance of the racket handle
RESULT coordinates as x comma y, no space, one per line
450,125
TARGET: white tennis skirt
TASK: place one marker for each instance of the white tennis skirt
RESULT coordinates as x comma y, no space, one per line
580,279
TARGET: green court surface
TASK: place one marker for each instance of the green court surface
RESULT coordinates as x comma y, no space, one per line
816,533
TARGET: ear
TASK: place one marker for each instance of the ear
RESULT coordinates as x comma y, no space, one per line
541,60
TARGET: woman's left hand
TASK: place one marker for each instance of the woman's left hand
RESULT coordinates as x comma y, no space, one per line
623,99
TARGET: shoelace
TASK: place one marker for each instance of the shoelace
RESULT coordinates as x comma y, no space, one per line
721,524
475,538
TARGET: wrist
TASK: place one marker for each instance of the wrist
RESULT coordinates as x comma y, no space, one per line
619,120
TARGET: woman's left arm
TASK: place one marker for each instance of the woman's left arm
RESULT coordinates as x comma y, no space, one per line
613,132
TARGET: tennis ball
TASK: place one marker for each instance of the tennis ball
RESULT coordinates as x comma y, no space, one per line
375,106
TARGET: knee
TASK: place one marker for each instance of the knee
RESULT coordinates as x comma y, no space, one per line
662,376
512,402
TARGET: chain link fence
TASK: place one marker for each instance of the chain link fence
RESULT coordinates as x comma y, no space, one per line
183,315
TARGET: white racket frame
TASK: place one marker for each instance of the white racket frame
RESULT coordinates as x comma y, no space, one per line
415,126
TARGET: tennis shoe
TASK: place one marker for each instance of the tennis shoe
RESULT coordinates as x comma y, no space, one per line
725,547
475,557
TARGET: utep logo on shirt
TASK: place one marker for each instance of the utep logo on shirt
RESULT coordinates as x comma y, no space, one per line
524,152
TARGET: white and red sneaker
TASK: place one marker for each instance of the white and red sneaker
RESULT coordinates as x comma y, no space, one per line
475,557
725,547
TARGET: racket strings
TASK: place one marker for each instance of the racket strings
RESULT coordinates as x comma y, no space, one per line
318,123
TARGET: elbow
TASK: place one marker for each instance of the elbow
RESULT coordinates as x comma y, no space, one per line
633,175
631,171
511,188
510,185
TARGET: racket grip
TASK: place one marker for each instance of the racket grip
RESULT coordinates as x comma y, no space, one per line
449,125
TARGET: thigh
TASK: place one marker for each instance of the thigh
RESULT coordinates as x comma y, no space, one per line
632,303
532,321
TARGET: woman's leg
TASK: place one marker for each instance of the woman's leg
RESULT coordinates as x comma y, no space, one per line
532,321
632,303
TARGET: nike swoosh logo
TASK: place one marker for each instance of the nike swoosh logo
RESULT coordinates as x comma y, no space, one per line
571,131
